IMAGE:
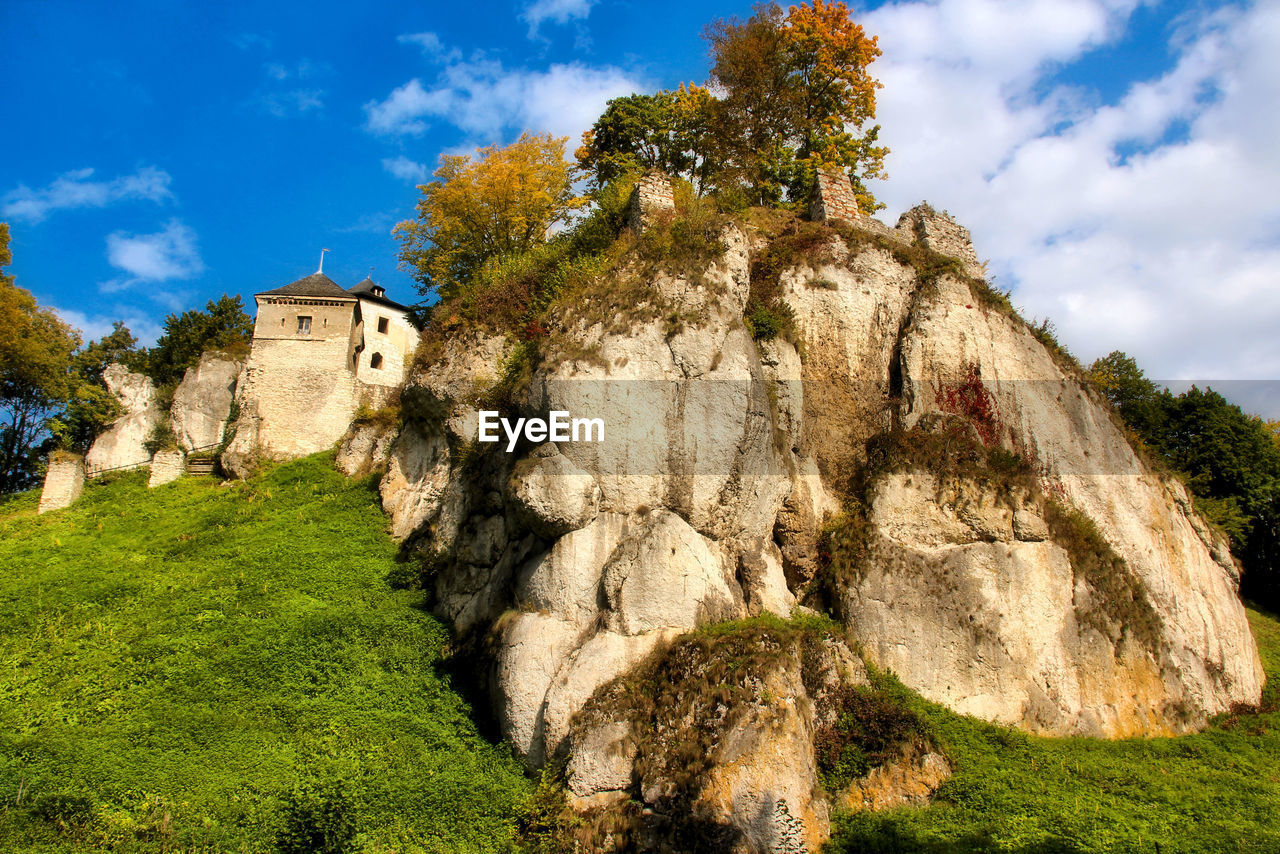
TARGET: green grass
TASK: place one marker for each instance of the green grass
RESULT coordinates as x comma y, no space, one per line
203,667
1216,791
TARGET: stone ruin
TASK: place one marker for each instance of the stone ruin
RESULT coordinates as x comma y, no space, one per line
834,197
653,194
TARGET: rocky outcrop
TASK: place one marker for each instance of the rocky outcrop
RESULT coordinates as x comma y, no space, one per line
202,401
366,448
729,742
907,457
123,444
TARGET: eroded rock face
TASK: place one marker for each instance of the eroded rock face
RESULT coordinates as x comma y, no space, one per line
123,443
726,479
202,402
725,756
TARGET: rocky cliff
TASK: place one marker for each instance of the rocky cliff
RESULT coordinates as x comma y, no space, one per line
906,455
123,444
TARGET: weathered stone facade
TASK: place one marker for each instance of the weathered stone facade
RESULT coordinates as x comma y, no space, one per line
63,482
653,195
166,467
319,352
834,197
938,231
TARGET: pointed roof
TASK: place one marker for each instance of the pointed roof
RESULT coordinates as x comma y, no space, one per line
315,285
371,290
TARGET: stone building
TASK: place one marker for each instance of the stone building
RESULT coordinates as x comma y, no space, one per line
319,352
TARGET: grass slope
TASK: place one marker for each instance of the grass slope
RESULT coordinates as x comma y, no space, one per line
223,668
1216,791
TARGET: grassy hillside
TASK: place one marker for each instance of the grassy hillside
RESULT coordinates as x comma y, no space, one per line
1216,791
223,668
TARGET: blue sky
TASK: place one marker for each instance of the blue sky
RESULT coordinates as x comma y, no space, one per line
1115,160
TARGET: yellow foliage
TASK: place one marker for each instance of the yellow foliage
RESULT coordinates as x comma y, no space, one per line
479,210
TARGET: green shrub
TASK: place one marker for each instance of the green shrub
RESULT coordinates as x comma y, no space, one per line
318,819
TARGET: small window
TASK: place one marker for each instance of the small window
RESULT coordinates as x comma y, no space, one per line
382,325
375,361
304,325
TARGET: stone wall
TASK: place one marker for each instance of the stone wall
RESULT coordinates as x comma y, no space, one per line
653,194
395,346
296,398
834,197
938,231
166,467
63,483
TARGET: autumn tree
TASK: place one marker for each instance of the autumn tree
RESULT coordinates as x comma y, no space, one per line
477,211
35,357
796,95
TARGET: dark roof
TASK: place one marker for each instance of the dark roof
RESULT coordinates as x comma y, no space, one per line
366,290
315,285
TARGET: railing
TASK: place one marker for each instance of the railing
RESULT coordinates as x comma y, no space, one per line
97,471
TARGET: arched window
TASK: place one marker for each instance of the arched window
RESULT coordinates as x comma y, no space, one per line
375,361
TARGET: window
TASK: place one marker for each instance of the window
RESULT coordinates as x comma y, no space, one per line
382,325
375,361
304,325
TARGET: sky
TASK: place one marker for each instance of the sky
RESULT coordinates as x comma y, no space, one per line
1116,160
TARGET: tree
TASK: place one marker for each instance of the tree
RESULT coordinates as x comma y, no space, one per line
1137,399
223,325
1230,459
479,211
90,405
797,95
668,130
35,357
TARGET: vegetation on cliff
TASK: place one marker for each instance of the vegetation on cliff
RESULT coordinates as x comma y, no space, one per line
1229,459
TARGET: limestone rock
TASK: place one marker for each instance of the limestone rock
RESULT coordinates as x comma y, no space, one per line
908,781
551,495
667,576
202,401
759,791
726,463
123,443
534,647
601,760
565,581
366,447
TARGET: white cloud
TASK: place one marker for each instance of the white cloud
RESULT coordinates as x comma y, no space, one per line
431,46
555,11
279,100
76,190
168,254
405,169
281,104
1150,225
487,101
